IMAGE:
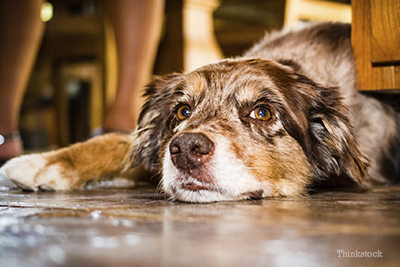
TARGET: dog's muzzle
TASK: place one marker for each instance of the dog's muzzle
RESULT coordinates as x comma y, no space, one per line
190,150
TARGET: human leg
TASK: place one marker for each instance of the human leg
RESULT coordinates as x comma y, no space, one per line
137,25
21,30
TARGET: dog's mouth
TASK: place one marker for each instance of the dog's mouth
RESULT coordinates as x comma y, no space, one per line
195,187
192,184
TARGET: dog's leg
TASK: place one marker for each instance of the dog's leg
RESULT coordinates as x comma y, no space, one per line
71,167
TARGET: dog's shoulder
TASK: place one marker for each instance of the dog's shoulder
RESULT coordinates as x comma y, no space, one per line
320,51
329,35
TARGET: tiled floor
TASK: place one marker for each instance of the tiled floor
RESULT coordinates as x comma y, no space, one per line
138,227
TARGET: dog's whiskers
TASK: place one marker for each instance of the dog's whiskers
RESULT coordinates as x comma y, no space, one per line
149,127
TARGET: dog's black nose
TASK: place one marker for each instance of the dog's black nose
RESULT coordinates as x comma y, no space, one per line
190,150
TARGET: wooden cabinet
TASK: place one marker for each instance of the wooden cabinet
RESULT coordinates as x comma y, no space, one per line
376,43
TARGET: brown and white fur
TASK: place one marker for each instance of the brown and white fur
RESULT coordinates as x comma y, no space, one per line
281,119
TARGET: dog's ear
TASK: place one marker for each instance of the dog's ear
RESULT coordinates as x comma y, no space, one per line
332,146
319,121
152,122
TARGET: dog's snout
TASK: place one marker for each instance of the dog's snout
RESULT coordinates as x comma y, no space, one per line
190,150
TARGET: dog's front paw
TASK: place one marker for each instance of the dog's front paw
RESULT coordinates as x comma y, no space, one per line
22,170
32,173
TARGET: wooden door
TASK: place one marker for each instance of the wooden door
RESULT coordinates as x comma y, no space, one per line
376,43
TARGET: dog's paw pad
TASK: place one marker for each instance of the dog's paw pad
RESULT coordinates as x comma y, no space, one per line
22,170
22,186
47,188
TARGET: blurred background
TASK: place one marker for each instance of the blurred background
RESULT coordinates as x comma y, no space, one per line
73,80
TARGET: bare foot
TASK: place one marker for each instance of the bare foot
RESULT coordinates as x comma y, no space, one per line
11,147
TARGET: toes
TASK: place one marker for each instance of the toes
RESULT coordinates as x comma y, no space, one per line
46,188
23,186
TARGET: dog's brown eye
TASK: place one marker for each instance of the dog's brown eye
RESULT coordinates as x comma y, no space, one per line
261,113
183,112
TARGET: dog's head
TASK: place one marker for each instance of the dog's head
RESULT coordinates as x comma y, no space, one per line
245,128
